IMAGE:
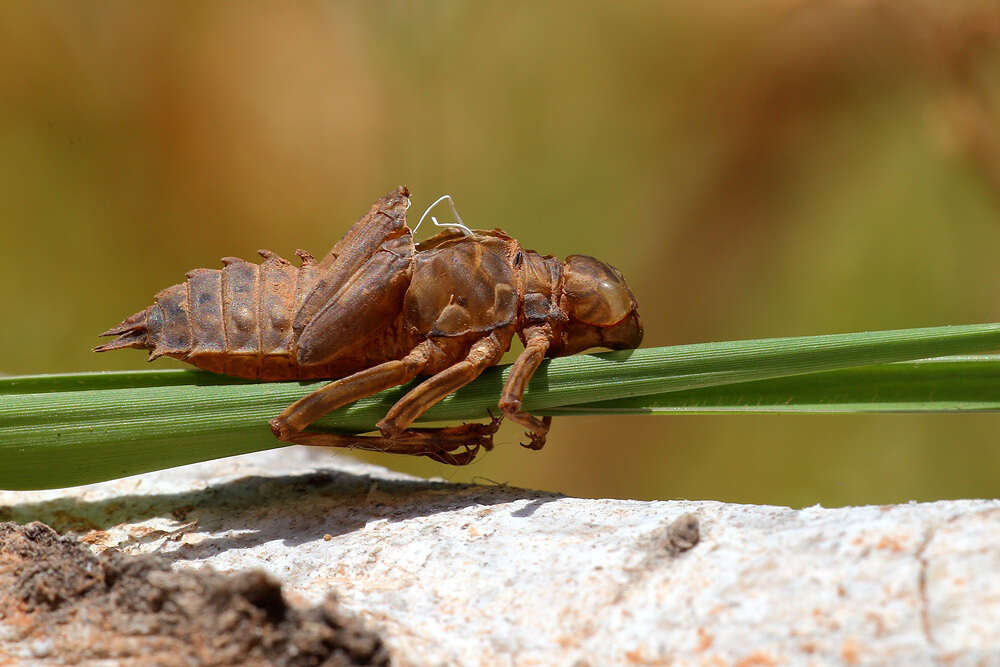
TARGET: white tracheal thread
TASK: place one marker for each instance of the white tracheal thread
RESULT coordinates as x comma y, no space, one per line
451,203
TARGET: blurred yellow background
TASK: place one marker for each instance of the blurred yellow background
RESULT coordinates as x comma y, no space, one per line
755,169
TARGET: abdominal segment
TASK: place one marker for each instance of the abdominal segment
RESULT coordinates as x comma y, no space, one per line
236,321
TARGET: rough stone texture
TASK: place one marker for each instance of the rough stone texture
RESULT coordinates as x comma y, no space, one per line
494,575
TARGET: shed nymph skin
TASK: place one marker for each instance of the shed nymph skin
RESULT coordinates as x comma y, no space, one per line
379,310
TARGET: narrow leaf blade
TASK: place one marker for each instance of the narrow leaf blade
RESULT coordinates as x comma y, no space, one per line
948,384
73,429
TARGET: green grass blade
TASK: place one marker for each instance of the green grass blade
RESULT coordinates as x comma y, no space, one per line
43,384
947,384
73,429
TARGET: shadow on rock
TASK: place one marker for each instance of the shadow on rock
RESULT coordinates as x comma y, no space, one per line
295,509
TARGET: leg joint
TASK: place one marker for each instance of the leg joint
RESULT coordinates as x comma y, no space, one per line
509,405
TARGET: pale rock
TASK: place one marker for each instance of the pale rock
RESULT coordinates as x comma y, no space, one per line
494,575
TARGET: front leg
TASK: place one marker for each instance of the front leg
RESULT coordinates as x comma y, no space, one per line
535,347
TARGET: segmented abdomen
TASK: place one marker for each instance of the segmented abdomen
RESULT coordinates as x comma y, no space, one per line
236,321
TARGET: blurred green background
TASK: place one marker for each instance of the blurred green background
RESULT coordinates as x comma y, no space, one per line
770,169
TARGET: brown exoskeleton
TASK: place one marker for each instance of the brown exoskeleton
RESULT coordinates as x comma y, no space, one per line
379,310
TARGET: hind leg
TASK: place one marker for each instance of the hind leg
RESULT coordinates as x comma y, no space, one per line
439,444
308,409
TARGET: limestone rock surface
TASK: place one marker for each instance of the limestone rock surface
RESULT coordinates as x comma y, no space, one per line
494,575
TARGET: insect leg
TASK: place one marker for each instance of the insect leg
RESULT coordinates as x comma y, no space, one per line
537,343
436,443
484,353
440,443
308,409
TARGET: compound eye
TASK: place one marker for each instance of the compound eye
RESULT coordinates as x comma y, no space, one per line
596,293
